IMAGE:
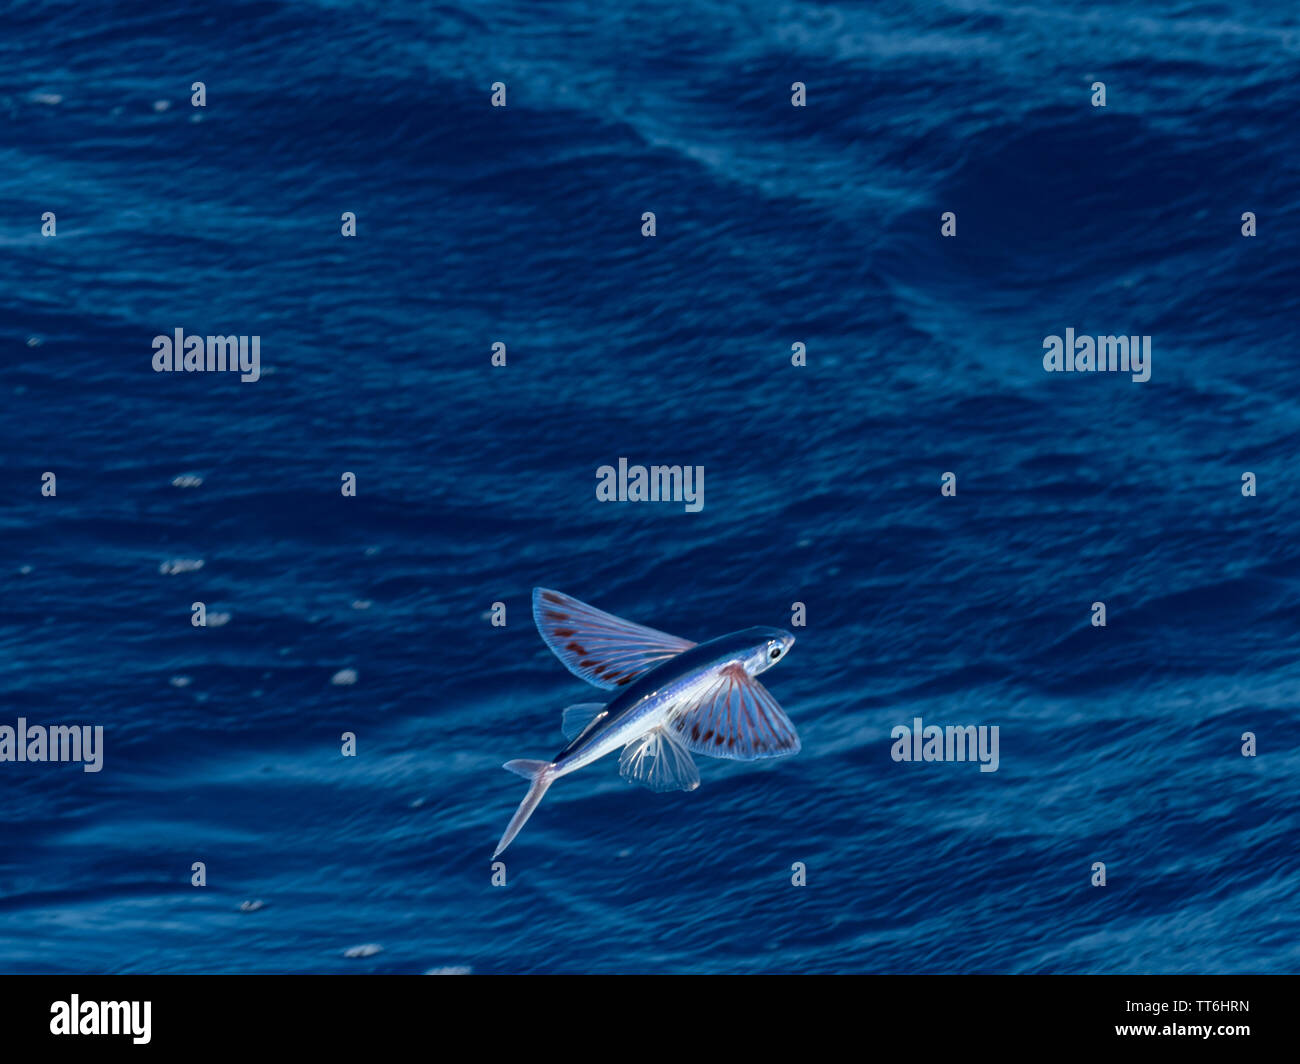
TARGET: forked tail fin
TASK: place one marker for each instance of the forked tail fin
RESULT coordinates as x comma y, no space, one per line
539,773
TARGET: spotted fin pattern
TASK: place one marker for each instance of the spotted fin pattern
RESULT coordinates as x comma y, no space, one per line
596,646
735,717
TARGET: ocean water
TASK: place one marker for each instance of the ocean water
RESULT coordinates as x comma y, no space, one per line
775,225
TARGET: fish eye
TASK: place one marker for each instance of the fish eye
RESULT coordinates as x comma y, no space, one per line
774,653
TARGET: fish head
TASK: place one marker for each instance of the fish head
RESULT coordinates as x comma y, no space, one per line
767,647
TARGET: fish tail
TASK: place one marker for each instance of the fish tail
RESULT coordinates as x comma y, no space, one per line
539,773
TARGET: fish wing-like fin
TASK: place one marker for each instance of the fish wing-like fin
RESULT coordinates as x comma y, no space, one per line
659,761
596,646
737,718
580,717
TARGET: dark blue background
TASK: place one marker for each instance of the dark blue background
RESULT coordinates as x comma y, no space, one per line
776,225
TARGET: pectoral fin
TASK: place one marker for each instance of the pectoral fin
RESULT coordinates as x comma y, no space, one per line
596,646
736,718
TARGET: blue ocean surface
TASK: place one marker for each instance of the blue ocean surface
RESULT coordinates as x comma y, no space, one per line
775,225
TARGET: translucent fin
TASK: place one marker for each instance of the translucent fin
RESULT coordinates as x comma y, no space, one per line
577,719
537,772
523,767
660,762
736,718
596,646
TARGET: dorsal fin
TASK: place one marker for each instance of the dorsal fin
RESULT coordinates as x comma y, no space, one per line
577,719
597,646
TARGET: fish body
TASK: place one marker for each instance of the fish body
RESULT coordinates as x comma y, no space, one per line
674,697
648,702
